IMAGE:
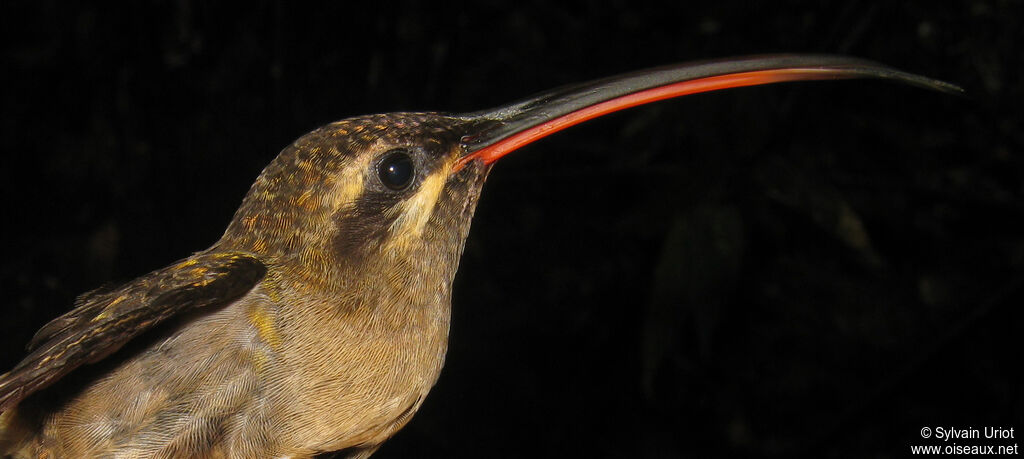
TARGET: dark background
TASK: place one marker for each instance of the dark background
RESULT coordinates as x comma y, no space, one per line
805,269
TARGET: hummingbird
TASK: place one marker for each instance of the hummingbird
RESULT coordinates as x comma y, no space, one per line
319,321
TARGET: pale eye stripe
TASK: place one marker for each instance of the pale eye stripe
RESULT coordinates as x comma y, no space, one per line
349,185
414,213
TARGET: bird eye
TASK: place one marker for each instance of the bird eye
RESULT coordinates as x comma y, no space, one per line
396,169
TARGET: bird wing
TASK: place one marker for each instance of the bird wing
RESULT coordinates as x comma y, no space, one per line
103,321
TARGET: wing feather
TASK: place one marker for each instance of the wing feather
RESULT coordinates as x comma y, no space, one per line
103,321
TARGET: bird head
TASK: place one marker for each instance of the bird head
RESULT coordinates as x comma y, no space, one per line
380,191
396,192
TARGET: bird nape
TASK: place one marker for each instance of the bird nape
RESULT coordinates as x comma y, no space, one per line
319,321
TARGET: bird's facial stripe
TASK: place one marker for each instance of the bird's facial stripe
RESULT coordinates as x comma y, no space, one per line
350,184
412,214
372,217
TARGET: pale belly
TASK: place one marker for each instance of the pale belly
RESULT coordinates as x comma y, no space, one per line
218,388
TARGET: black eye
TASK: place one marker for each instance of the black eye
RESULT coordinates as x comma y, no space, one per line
396,169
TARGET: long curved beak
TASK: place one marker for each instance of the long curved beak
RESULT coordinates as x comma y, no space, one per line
503,130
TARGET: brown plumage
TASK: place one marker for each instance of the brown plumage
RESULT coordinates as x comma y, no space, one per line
304,307
319,321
